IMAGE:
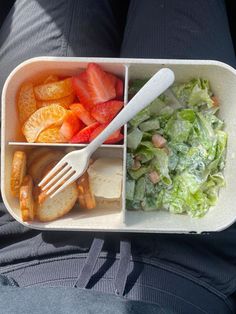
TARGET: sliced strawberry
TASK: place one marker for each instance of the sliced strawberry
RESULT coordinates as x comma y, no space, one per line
80,86
112,78
99,129
101,86
71,125
84,135
115,140
82,114
106,111
119,85
119,89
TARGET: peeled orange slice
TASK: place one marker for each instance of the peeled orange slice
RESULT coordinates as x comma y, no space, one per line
54,90
41,120
51,135
26,102
51,79
64,102
18,172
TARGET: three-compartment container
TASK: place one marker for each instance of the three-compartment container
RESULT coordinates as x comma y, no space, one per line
223,83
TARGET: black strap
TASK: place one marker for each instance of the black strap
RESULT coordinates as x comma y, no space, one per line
90,263
122,273
91,260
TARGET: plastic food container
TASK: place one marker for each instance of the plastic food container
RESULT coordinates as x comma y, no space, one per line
223,82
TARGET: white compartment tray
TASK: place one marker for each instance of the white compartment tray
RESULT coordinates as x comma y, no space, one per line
222,78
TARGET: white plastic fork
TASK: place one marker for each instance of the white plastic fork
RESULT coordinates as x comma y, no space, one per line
75,163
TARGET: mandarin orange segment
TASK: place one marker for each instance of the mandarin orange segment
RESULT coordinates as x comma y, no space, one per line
51,79
42,119
26,102
55,90
51,135
64,102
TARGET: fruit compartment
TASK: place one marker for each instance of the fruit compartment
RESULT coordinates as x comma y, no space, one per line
34,71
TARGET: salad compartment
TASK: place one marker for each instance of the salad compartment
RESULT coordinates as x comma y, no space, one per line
222,79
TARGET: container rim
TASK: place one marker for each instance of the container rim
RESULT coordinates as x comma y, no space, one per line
124,61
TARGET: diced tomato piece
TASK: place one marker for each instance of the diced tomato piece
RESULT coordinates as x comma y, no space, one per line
119,89
71,125
82,114
101,86
106,111
99,130
84,135
80,86
115,140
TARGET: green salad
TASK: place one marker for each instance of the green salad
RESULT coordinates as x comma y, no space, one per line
176,151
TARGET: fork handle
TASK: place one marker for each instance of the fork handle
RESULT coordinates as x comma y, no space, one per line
163,79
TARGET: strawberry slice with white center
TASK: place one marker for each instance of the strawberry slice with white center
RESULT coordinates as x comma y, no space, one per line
110,140
106,111
84,135
114,140
119,89
80,86
118,84
100,84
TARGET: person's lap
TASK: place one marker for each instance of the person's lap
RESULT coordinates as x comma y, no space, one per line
154,29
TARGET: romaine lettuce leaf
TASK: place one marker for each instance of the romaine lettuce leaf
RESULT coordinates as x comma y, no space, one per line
187,114
140,117
134,138
194,93
178,130
139,192
129,161
156,106
136,174
144,153
197,204
136,85
160,163
174,198
130,187
149,125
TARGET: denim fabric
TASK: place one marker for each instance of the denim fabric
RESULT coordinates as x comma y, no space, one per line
67,300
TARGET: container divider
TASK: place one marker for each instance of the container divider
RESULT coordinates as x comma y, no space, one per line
124,147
